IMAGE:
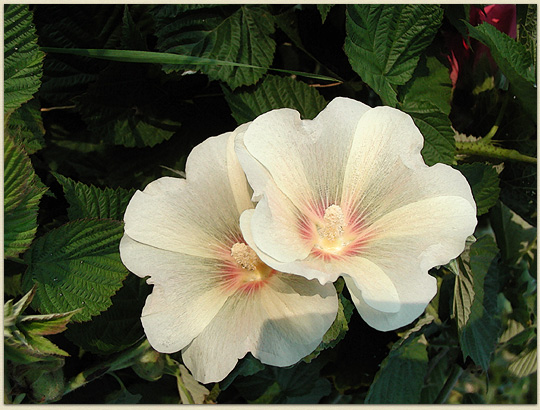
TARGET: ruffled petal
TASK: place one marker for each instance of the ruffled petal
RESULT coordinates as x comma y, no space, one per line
305,159
376,287
280,324
187,294
192,215
385,169
412,304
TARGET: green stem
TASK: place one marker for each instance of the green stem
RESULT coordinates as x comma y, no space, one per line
126,359
479,148
449,385
495,127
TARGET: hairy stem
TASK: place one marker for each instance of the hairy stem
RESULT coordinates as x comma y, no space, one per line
489,151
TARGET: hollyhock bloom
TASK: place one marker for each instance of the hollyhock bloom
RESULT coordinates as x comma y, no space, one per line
213,298
349,194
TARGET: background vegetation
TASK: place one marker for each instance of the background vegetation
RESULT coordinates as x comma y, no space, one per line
85,128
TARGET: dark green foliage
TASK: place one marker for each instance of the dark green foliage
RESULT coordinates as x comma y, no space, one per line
271,93
22,57
401,376
22,193
76,266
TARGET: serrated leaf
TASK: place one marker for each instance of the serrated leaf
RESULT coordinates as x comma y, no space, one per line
26,126
271,93
384,43
92,202
527,361
23,334
478,328
242,37
22,192
23,60
76,266
513,60
324,9
435,126
401,376
117,328
484,182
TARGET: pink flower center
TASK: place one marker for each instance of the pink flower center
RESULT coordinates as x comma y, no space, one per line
333,233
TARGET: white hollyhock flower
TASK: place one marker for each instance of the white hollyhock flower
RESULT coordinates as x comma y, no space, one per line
349,194
213,298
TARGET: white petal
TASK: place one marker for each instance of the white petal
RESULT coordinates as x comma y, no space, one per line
412,304
385,169
305,159
187,293
281,323
374,284
275,227
192,215
431,230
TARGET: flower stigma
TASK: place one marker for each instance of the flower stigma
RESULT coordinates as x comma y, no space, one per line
253,269
331,232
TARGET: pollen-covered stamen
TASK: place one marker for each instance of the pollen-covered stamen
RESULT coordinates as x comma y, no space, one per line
245,256
334,223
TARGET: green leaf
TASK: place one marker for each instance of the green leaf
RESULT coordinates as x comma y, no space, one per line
125,107
430,83
484,182
271,93
149,57
299,384
324,9
242,37
26,127
92,202
526,30
22,193
435,126
117,328
248,366
516,238
384,43
513,60
401,376
22,57
76,266
426,97
23,334
526,362
478,326
65,25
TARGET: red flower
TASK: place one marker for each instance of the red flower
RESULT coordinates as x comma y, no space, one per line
501,16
